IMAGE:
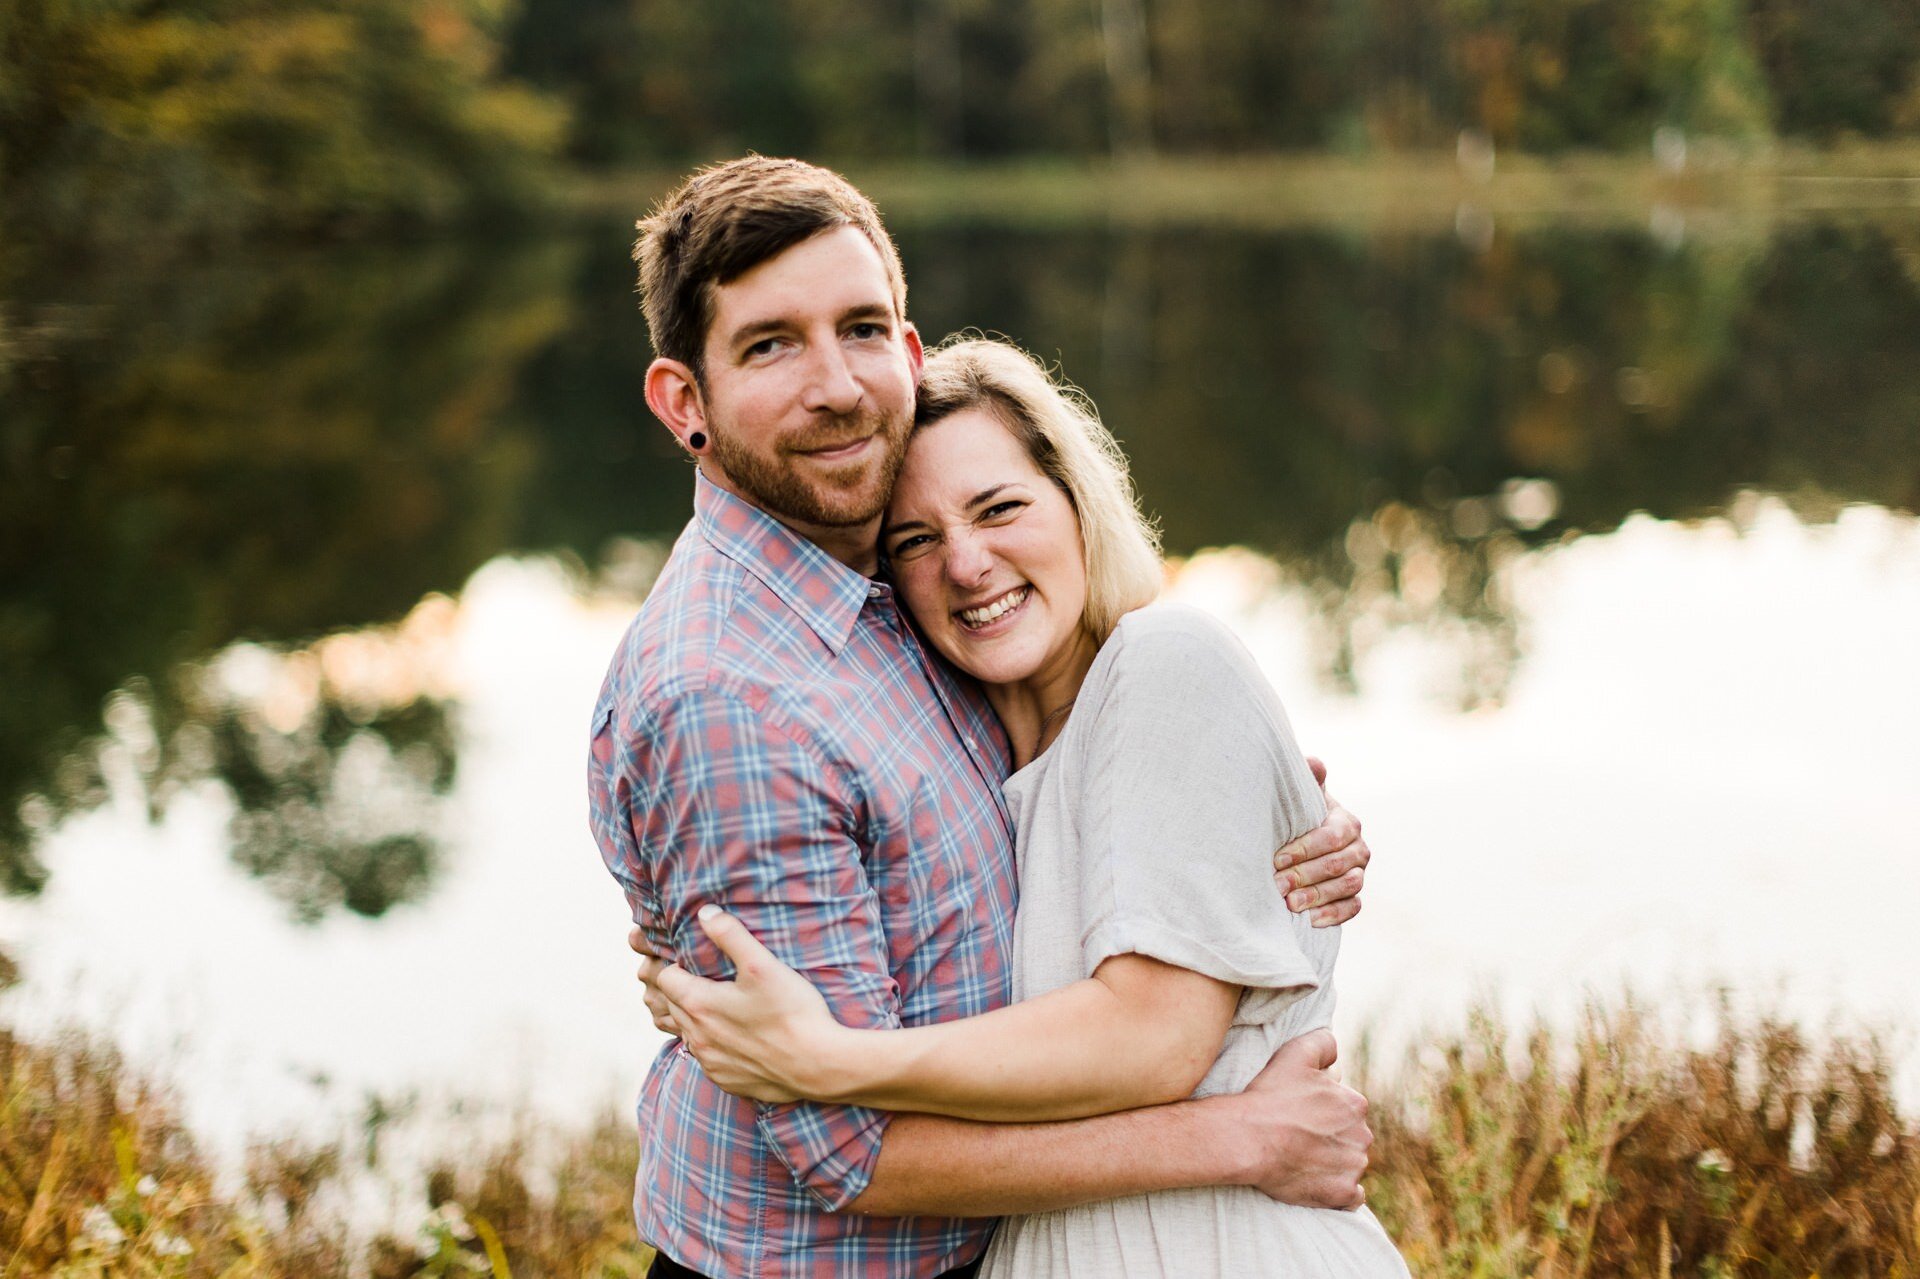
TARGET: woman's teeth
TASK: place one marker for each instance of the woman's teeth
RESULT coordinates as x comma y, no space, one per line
977,617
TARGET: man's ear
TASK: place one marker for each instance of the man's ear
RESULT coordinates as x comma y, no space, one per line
674,395
916,356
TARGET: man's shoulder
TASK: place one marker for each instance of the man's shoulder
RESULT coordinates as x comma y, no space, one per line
709,632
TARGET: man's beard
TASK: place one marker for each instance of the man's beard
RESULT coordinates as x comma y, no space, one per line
840,497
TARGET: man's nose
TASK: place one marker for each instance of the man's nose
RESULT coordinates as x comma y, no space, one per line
831,386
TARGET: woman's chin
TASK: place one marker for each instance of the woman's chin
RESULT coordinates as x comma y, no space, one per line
992,661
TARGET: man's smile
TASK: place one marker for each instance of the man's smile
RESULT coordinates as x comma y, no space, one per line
838,452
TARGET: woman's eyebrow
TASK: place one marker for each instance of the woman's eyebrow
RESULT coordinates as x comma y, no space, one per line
984,494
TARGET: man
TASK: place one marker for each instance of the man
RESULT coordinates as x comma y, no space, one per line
772,739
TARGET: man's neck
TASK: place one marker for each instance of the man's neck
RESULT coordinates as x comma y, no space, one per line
857,546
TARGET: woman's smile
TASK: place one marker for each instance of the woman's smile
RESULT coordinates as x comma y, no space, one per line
1003,608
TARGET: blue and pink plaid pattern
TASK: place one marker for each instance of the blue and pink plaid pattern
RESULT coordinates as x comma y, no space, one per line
771,737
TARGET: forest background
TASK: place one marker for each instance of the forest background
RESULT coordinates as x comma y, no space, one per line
120,118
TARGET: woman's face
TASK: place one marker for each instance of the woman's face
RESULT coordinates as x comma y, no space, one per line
986,551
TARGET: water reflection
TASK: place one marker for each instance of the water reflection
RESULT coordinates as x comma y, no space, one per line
269,450
264,447
1687,750
334,760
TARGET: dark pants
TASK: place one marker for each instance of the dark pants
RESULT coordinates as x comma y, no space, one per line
665,1267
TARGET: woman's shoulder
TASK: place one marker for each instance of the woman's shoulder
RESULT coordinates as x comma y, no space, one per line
1165,630
1166,641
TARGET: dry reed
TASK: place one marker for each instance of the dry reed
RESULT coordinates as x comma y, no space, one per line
1619,1149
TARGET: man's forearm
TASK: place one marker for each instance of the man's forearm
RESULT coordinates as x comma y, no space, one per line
956,1168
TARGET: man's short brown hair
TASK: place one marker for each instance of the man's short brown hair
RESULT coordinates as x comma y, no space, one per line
729,218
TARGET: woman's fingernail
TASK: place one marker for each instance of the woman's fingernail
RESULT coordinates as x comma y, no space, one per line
1296,901
708,911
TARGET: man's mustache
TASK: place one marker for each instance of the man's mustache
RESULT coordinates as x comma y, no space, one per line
835,432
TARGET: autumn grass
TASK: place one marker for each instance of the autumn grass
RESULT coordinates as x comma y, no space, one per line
1618,1151
1622,1148
99,1178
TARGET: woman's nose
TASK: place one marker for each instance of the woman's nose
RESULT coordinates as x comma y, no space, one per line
968,560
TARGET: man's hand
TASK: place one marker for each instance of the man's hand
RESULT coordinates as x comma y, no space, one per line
1311,1129
649,974
1323,870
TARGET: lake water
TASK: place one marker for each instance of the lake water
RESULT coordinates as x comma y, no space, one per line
1587,558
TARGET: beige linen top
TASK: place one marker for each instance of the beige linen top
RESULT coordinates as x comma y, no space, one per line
1149,827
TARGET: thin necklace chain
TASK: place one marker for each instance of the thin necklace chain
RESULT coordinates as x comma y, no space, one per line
1048,722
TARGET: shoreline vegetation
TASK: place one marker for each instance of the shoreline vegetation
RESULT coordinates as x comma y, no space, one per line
1413,190
1620,1147
1466,191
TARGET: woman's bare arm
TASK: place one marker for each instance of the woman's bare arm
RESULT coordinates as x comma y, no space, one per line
1137,1033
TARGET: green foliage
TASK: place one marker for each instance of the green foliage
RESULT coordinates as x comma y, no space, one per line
652,81
1841,67
224,116
124,119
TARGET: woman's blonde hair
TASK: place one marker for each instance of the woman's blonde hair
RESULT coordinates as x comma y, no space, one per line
1061,432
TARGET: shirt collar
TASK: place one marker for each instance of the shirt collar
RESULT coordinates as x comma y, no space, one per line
825,593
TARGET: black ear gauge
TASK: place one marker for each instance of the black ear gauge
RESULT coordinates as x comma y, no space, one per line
697,440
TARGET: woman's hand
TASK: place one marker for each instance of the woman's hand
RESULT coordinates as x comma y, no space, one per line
766,1035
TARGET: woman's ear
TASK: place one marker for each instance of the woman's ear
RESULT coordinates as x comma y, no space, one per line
674,395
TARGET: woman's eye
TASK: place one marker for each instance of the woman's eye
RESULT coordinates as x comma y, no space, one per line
1001,510
907,546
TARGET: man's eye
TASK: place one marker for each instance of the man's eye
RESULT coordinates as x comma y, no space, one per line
867,331
765,346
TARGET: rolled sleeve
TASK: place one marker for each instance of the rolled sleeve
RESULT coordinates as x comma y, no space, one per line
708,798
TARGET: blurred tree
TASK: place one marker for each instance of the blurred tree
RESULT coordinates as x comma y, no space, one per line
1705,70
1238,75
123,117
1841,66
1545,75
1123,46
591,54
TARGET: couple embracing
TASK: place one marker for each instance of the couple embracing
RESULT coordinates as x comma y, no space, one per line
991,904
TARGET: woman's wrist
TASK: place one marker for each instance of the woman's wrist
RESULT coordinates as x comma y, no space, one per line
831,1067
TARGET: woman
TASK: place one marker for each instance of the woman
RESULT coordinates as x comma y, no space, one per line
1153,956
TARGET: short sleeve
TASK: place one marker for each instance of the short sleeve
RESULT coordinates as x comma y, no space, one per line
1192,780
707,799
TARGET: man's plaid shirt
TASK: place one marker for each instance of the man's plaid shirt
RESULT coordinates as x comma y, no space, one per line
771,737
